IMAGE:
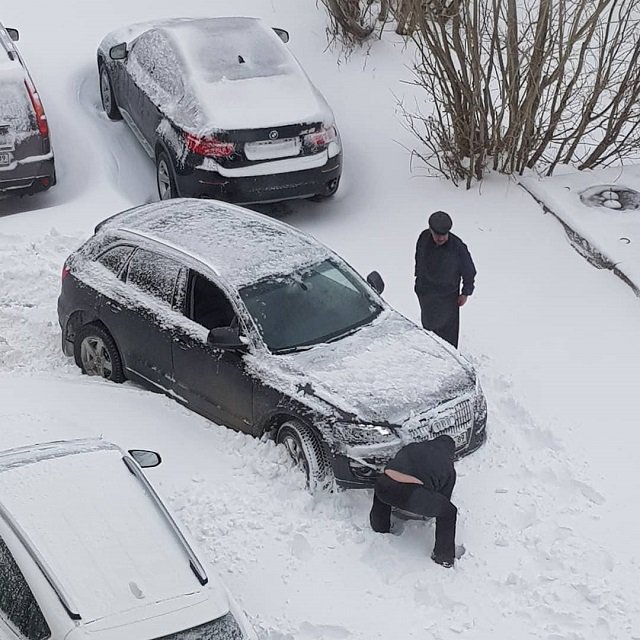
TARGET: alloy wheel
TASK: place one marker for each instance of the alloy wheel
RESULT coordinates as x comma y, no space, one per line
95,357
164,180
105,91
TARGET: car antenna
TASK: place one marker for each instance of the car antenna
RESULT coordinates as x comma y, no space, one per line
240,59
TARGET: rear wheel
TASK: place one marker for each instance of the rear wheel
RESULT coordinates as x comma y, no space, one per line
96,353
164,178
106,93
307,453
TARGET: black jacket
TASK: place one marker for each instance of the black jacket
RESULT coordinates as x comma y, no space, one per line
430,461
440,269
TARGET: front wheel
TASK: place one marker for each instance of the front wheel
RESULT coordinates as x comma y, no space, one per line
96,353
307,453
106,94
164,178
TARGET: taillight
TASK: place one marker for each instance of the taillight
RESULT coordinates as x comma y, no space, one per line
65,271
322,137
41,118
210,147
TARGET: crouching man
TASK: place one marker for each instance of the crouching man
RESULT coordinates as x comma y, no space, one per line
420,479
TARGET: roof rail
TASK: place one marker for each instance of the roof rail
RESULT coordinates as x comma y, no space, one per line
194,563
60,592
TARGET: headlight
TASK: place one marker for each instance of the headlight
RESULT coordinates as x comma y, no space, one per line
358,434
480,417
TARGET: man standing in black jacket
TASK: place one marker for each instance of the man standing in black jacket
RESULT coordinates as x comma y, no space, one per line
442,261
420,479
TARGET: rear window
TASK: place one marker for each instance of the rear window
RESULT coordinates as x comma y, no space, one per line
224,628
15,109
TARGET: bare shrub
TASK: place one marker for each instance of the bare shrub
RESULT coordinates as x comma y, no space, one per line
512,85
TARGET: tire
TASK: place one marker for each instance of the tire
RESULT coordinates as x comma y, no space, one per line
164,177
307,453
109,103
96,353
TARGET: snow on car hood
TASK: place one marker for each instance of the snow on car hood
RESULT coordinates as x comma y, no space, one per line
386,371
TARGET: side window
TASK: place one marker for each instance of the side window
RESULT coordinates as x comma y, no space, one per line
154,58
16,600
208,305
154,274
114,259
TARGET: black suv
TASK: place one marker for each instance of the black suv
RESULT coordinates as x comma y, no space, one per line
258,326
223,108
26,158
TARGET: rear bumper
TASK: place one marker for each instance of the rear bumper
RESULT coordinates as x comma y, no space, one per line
26,178
319,181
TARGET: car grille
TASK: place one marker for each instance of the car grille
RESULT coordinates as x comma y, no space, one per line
447,420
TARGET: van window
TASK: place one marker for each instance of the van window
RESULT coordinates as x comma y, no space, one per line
153,273
17,603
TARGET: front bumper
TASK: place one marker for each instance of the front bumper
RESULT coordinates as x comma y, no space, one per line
27,178
358,467
319,181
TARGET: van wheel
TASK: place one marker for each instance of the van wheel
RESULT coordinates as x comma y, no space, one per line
307,453
96,353
164,178
109,103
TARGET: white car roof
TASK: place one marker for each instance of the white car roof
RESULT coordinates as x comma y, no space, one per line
104,539
238,244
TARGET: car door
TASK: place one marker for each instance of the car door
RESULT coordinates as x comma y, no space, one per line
20,616
215,382
138,315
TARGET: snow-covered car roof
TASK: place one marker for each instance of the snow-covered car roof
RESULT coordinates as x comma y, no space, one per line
241,246
105,540
236,73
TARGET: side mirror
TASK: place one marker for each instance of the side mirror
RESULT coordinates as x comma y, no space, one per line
376,281
282,34
14,34
119,51
145,458
226,338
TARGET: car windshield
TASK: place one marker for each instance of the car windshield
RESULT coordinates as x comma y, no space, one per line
319,304
233,50
224,628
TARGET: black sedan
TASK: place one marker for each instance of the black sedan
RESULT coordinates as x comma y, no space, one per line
258,326
223,108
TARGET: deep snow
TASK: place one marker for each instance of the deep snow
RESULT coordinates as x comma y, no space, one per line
548,505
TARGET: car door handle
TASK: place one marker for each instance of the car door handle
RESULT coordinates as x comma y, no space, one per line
116,308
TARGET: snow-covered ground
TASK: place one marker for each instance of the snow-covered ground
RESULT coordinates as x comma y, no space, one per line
548,506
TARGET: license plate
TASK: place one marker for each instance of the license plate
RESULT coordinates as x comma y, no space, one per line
460,439
5,158
271,149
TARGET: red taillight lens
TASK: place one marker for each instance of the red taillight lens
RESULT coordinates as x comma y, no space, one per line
210,147
65,271
322,137
41,118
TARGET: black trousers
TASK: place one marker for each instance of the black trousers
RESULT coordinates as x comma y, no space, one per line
441,314
415,498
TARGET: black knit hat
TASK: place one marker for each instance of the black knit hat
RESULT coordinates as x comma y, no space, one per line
440,222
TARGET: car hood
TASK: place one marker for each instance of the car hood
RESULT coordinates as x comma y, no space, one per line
386,371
